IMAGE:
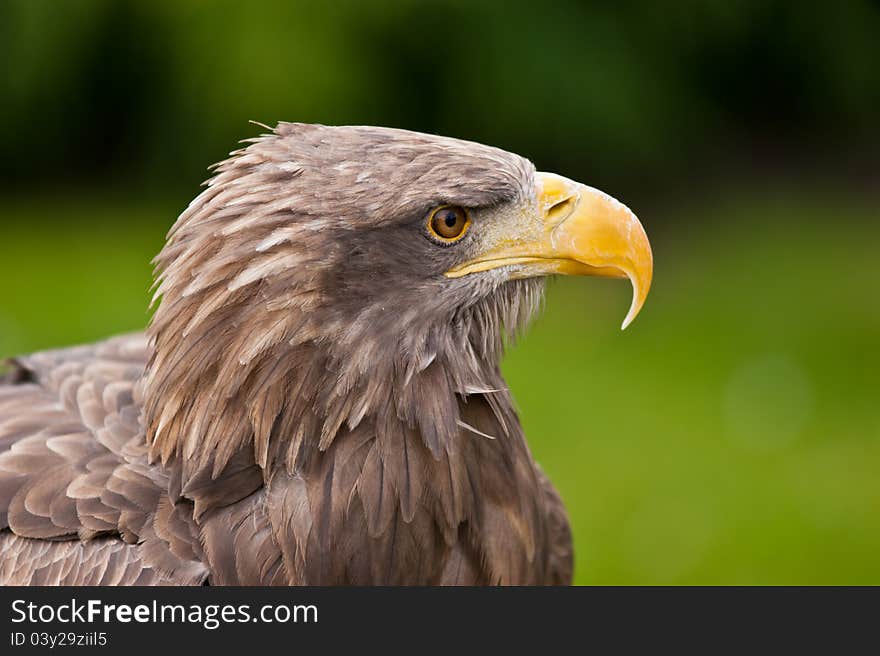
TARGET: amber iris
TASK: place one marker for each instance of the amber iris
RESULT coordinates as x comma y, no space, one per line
449,223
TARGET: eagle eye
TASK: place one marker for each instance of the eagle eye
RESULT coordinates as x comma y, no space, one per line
448,223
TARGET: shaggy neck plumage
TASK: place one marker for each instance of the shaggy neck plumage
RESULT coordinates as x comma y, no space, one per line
287,382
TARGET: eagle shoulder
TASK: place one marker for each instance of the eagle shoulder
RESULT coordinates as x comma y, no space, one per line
78,498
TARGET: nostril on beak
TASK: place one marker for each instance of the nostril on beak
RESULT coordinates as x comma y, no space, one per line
558,212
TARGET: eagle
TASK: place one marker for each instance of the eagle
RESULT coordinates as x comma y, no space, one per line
317,399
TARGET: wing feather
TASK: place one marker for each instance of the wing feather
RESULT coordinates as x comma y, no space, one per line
78,498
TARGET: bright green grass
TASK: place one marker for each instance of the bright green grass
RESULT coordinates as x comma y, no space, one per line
731,435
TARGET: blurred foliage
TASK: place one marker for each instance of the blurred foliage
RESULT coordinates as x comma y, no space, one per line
618,93
732,434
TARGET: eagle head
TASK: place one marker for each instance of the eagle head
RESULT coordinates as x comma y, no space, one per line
332,275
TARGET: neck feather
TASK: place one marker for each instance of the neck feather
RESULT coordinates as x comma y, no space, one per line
284,383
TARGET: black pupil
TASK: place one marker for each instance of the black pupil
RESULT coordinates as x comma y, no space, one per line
451,219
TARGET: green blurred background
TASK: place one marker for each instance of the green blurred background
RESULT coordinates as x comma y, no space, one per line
732,434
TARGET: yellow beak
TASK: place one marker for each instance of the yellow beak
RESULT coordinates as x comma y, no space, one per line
580,231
